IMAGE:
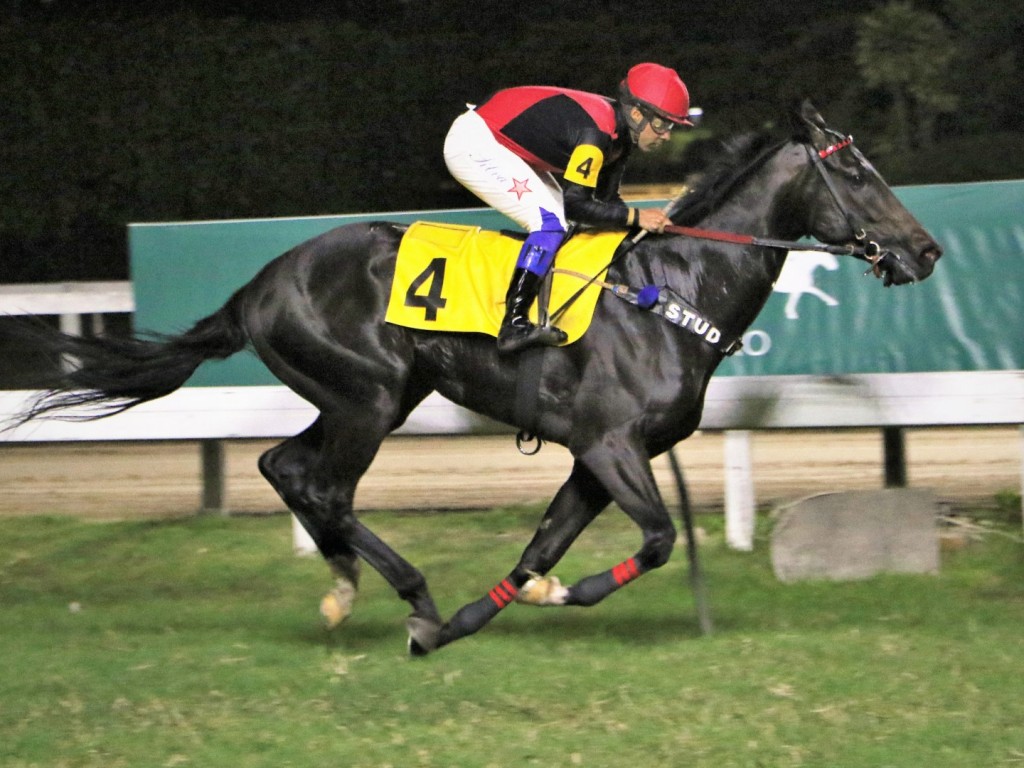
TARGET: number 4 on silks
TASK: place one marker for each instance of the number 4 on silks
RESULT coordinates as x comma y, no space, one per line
432,300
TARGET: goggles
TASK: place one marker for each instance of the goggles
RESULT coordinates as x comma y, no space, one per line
660,125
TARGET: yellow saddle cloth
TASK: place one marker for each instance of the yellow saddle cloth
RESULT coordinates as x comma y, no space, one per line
454,278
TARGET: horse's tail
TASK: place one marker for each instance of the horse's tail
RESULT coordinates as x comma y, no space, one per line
103,376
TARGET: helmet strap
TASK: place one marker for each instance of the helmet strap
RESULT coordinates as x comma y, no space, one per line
635,126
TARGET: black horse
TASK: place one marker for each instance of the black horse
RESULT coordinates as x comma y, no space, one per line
629,390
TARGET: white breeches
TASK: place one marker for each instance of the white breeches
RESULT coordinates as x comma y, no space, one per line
498,176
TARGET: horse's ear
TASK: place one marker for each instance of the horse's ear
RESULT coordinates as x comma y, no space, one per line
806,119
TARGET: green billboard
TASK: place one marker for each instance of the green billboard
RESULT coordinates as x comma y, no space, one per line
827,318
824,318
183,271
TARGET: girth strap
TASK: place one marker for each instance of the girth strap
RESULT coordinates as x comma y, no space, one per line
529,368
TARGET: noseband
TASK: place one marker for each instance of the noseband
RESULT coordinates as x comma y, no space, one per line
869,249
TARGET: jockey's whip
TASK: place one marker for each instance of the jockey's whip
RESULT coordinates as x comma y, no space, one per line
667,210
623,248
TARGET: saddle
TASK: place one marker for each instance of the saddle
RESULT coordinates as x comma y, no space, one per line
453,278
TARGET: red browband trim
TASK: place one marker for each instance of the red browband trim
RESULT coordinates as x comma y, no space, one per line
823,153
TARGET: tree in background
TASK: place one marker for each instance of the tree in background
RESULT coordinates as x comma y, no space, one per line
112,111
989,64
907,54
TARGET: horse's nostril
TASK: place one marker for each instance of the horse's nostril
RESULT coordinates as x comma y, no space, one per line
933,254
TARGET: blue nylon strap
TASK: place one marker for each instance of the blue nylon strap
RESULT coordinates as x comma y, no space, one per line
675,309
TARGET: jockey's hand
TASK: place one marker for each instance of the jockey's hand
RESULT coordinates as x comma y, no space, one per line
653,219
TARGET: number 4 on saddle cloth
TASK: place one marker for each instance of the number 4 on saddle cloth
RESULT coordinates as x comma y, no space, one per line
454,278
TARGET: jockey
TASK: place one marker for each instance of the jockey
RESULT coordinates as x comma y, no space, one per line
545,156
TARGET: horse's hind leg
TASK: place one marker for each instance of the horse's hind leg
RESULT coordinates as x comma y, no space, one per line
315,473
286,467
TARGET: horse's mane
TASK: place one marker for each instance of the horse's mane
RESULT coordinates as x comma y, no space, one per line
713,167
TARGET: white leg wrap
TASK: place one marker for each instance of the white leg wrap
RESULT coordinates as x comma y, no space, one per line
543,590
337,604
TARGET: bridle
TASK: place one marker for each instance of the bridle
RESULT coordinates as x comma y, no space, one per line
866,249
869,250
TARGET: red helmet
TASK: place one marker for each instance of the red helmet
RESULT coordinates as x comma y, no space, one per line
658,89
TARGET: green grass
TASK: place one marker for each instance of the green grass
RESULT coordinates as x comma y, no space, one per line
197,643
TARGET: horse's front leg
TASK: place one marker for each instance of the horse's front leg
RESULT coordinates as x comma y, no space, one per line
623,467
627,474
580,499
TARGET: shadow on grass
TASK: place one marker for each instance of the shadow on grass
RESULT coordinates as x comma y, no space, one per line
553,626
581,624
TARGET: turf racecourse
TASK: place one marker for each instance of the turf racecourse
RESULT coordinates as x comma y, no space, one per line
195,642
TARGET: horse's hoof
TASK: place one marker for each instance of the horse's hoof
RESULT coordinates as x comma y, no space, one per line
423,635
337,604
543,590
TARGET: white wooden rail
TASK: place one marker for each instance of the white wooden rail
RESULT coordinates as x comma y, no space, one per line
734,404
71,301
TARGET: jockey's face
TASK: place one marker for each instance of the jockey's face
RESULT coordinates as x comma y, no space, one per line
648,139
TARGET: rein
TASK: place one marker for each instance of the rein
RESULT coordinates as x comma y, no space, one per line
870,251
764,242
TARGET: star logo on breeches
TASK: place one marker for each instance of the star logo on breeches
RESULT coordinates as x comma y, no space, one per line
519,188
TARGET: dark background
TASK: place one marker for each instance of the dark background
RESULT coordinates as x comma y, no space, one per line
112,112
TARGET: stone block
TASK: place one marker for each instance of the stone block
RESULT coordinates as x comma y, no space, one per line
855,535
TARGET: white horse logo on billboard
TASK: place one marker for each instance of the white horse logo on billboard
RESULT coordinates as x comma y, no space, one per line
797,279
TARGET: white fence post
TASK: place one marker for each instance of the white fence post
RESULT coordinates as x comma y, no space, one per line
212,462
739,491
71,324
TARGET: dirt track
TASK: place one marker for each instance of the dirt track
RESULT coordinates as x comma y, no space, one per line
132,480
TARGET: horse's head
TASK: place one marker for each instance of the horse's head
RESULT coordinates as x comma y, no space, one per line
849,203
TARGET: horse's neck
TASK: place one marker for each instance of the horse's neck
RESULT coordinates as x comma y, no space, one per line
734,281
765,205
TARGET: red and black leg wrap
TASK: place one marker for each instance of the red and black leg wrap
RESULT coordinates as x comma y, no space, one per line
594,589
475,615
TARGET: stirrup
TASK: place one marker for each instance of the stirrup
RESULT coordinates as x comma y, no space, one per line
512,338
